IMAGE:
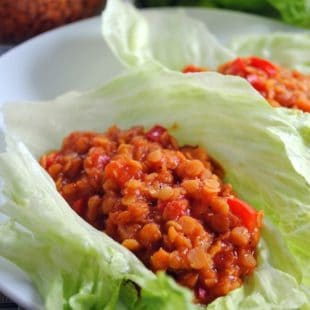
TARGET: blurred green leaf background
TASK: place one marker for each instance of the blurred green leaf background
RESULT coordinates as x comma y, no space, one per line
295,12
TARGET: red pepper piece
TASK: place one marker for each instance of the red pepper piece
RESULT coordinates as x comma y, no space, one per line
237,67
256,82
244,212
193,69
155,133
264,65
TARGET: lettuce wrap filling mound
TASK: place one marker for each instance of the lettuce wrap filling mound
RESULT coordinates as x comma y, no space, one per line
164,202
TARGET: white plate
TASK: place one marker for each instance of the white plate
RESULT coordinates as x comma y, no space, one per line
75,57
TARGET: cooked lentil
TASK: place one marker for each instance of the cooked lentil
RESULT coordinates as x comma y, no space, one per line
165,203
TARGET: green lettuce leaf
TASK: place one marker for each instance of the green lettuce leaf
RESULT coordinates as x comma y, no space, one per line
168,38
295,12
251,144
291,50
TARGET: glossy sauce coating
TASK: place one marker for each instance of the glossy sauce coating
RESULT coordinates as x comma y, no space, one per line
165,203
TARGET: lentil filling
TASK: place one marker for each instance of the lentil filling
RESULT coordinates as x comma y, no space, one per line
167,204
280,86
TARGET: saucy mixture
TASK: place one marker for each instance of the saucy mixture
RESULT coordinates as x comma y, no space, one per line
165,203
280,86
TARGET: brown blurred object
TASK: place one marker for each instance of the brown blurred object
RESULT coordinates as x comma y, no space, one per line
22,19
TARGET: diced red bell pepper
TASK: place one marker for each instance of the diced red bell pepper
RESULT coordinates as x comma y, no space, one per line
155,133
264,65
237,67
247,215
256,82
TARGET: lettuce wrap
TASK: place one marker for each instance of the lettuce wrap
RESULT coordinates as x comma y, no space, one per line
73,266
